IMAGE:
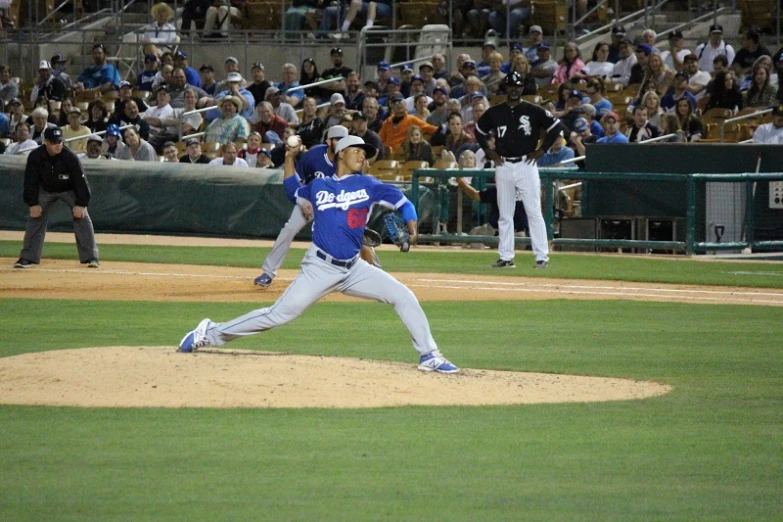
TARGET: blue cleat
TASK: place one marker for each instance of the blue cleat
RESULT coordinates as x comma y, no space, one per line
264,280
195,339
435,362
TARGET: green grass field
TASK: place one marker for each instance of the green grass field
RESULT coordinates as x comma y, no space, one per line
712,449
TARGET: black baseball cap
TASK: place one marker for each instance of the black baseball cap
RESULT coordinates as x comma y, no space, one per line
53,134
206,67
359,116
336,50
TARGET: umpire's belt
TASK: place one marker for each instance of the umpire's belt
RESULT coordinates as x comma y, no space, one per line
516,159
336,262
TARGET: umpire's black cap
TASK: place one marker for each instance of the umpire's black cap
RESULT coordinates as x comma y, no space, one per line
514,79
53,134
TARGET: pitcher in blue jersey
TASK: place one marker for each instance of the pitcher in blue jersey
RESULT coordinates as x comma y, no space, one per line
340,207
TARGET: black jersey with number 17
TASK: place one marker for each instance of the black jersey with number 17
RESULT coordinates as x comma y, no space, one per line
516,129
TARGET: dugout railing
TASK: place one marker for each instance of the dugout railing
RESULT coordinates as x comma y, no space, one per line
749,197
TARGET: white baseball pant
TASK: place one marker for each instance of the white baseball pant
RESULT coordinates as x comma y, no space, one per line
520,181
282,245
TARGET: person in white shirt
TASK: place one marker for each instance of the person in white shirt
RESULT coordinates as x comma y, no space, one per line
771,133
707,51
621,72
157,116
160,32
673,58
229,158
23,144
697,80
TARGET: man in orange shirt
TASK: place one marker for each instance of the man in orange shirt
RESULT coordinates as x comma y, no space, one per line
394,130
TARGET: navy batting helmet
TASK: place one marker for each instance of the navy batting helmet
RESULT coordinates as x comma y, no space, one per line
515,79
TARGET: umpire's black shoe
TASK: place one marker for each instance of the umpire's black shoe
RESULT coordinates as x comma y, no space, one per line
502,263
541,264
23,263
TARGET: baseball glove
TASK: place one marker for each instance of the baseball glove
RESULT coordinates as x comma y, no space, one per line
371,238
398,232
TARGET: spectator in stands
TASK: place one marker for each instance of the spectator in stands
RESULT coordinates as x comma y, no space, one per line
621,72
97,116
23,144
478,17
125,93
311,127
131,116
191,75
439,137
652,102
281,108
571,66
47,85
252,150
642,52
309,74
761,93
724,93
513,12
395,128
136,147
417,88
437,68
771,133
167,58
94,146
40,117
264,160
641,129
707,51
43,102
427,72
371,90
678,91
596,92
4,123
231,65
330,17
112,143
479,108
392,89
194,154
16,115
589,113
657,73
648,37
289,82
544,67
8,88
217,23
673,58
163,77
493,80
598,66
160,32
371,111
231,126
457,138
416,148
336,110
383,71
697,80
59,66
260,84
471,102
572,109
170,152
269,125
689,122
437,108
670,124
354,97
191,123
421,107
146,78
229,157
236,90
208,83
359,128
373,10
581,136
522,67
194,12
102,76
294,17
487,48
556,154
612,134
156,116
618,37
66,105
337,70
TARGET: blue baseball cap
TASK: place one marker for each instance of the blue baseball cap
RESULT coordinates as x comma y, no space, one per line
476,95
543,45
394,80
440,88
418,77
112,130
150,58
180,54
644,48
265,151
575,94
398,97
406,68
517,46
580,125
384,66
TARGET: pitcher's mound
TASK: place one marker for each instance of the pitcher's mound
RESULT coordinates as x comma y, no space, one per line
156,376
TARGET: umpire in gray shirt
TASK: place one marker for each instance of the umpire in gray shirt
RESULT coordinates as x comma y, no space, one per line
55,173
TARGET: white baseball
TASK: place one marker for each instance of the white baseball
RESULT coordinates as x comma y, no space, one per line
293,141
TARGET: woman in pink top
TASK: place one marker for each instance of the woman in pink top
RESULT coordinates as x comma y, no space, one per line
570,64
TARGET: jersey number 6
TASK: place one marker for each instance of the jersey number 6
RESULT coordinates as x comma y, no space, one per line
357,217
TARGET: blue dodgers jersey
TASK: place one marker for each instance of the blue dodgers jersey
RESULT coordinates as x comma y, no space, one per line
314,164
342,207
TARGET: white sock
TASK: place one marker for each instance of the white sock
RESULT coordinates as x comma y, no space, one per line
346,25
369,23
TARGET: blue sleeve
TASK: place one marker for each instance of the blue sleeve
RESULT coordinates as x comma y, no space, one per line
389,196
408,212
111,74
291,186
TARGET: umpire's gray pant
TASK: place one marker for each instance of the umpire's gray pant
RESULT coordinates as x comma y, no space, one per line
35,231
282,245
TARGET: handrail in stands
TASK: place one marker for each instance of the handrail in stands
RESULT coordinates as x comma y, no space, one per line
738,118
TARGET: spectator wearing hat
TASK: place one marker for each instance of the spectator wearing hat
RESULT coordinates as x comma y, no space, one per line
708,50
392,89
677,91
260,84
53,173
231,65
438,115
47,85
771,133
469,102
535,36
395,128
136,147
641,129
160,32
112,142
22,145
751,50
612,132
269,125
146,78
101,76
8,88
125,93
311,127
354,97
235,89
59,65
581,136
572,109
487,48
416,88
518,13
207,75
16,115
336,110
428,75
193,153
191,75
229,157
359,128
697,79
281,108
621,72
571,66
264,160
556,154
170,152
94,149
406,74
642,52
157,117
230,126
383,71
218,21
337,70
515,50
673,58
618,35
544,67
